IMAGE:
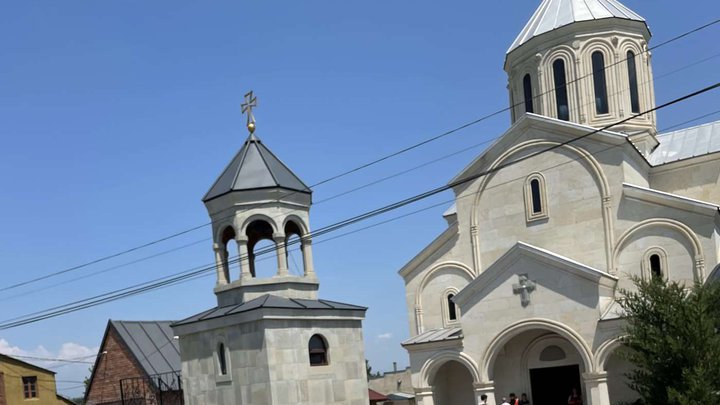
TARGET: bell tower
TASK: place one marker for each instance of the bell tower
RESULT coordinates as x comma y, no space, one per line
585,61
256,198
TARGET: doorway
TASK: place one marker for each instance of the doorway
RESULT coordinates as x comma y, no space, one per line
552,385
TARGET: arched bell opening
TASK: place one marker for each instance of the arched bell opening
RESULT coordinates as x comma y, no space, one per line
260,242
294,243
228,234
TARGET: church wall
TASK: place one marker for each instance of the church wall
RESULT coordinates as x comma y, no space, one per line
258,375
570,300
434,294
574,227
698,180
677,244
294,381
618,387
245,383
445,259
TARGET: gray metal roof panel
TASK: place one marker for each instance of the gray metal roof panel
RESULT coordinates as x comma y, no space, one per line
553,14
686,143
255,167
152,344
269,301
435,335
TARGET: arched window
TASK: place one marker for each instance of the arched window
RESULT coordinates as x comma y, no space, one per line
561,97
655,267
654,264
318,351
527,88
535,193
293,242
601,97
535,197
452,310
228,236
632,79
222,359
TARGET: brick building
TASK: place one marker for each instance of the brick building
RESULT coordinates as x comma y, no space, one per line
138,362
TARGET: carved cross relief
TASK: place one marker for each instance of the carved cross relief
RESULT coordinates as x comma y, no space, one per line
524,287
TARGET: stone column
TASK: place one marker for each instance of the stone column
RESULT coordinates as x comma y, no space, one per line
485,388
220,264
279,239
424,396
243,257
306,246
596,388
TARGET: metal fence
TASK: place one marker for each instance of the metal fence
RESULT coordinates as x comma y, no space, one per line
160,389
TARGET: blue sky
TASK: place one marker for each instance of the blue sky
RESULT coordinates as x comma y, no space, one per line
116,117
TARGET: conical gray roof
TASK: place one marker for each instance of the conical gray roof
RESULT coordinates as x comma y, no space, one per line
553,14
255,167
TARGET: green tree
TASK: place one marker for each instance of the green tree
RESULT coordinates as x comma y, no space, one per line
673,334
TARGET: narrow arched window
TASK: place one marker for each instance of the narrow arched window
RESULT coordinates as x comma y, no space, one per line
222,359
452,310
561,97
632,80
536,199
601,97
527,88
318,351
655,266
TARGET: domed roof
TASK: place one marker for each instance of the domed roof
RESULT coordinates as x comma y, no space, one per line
255,167
553,14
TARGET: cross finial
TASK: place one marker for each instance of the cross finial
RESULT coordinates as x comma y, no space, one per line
247,107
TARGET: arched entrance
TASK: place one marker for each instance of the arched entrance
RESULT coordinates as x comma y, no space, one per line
542,359
453,384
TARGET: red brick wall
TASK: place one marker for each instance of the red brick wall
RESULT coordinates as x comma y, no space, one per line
113,366
2,389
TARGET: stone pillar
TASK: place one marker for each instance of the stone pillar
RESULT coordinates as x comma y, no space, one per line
243,257
485,388
281,251
424,396
306,246
220,264
596,388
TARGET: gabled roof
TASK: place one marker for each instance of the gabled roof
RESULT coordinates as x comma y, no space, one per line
7,358
269,301
482,283
553,14
152,345
255,167
686,143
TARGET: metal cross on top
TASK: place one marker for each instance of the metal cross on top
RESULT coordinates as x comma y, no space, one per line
247,107
524,287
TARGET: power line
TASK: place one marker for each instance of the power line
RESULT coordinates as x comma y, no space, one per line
360,167
53,359
169,280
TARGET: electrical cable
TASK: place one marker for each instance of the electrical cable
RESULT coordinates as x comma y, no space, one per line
360,167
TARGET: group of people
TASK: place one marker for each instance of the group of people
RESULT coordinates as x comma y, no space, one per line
514,400
573,399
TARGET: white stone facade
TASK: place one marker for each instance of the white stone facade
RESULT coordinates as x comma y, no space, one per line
537,250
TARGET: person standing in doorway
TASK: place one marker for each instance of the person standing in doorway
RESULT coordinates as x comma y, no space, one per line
513,399
574,398
504,401
524,399
483,399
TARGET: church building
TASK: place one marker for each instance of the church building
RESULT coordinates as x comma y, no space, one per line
270,340
519,293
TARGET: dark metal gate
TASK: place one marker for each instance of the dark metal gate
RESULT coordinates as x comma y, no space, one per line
160,389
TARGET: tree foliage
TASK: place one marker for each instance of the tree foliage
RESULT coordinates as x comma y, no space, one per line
674,336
